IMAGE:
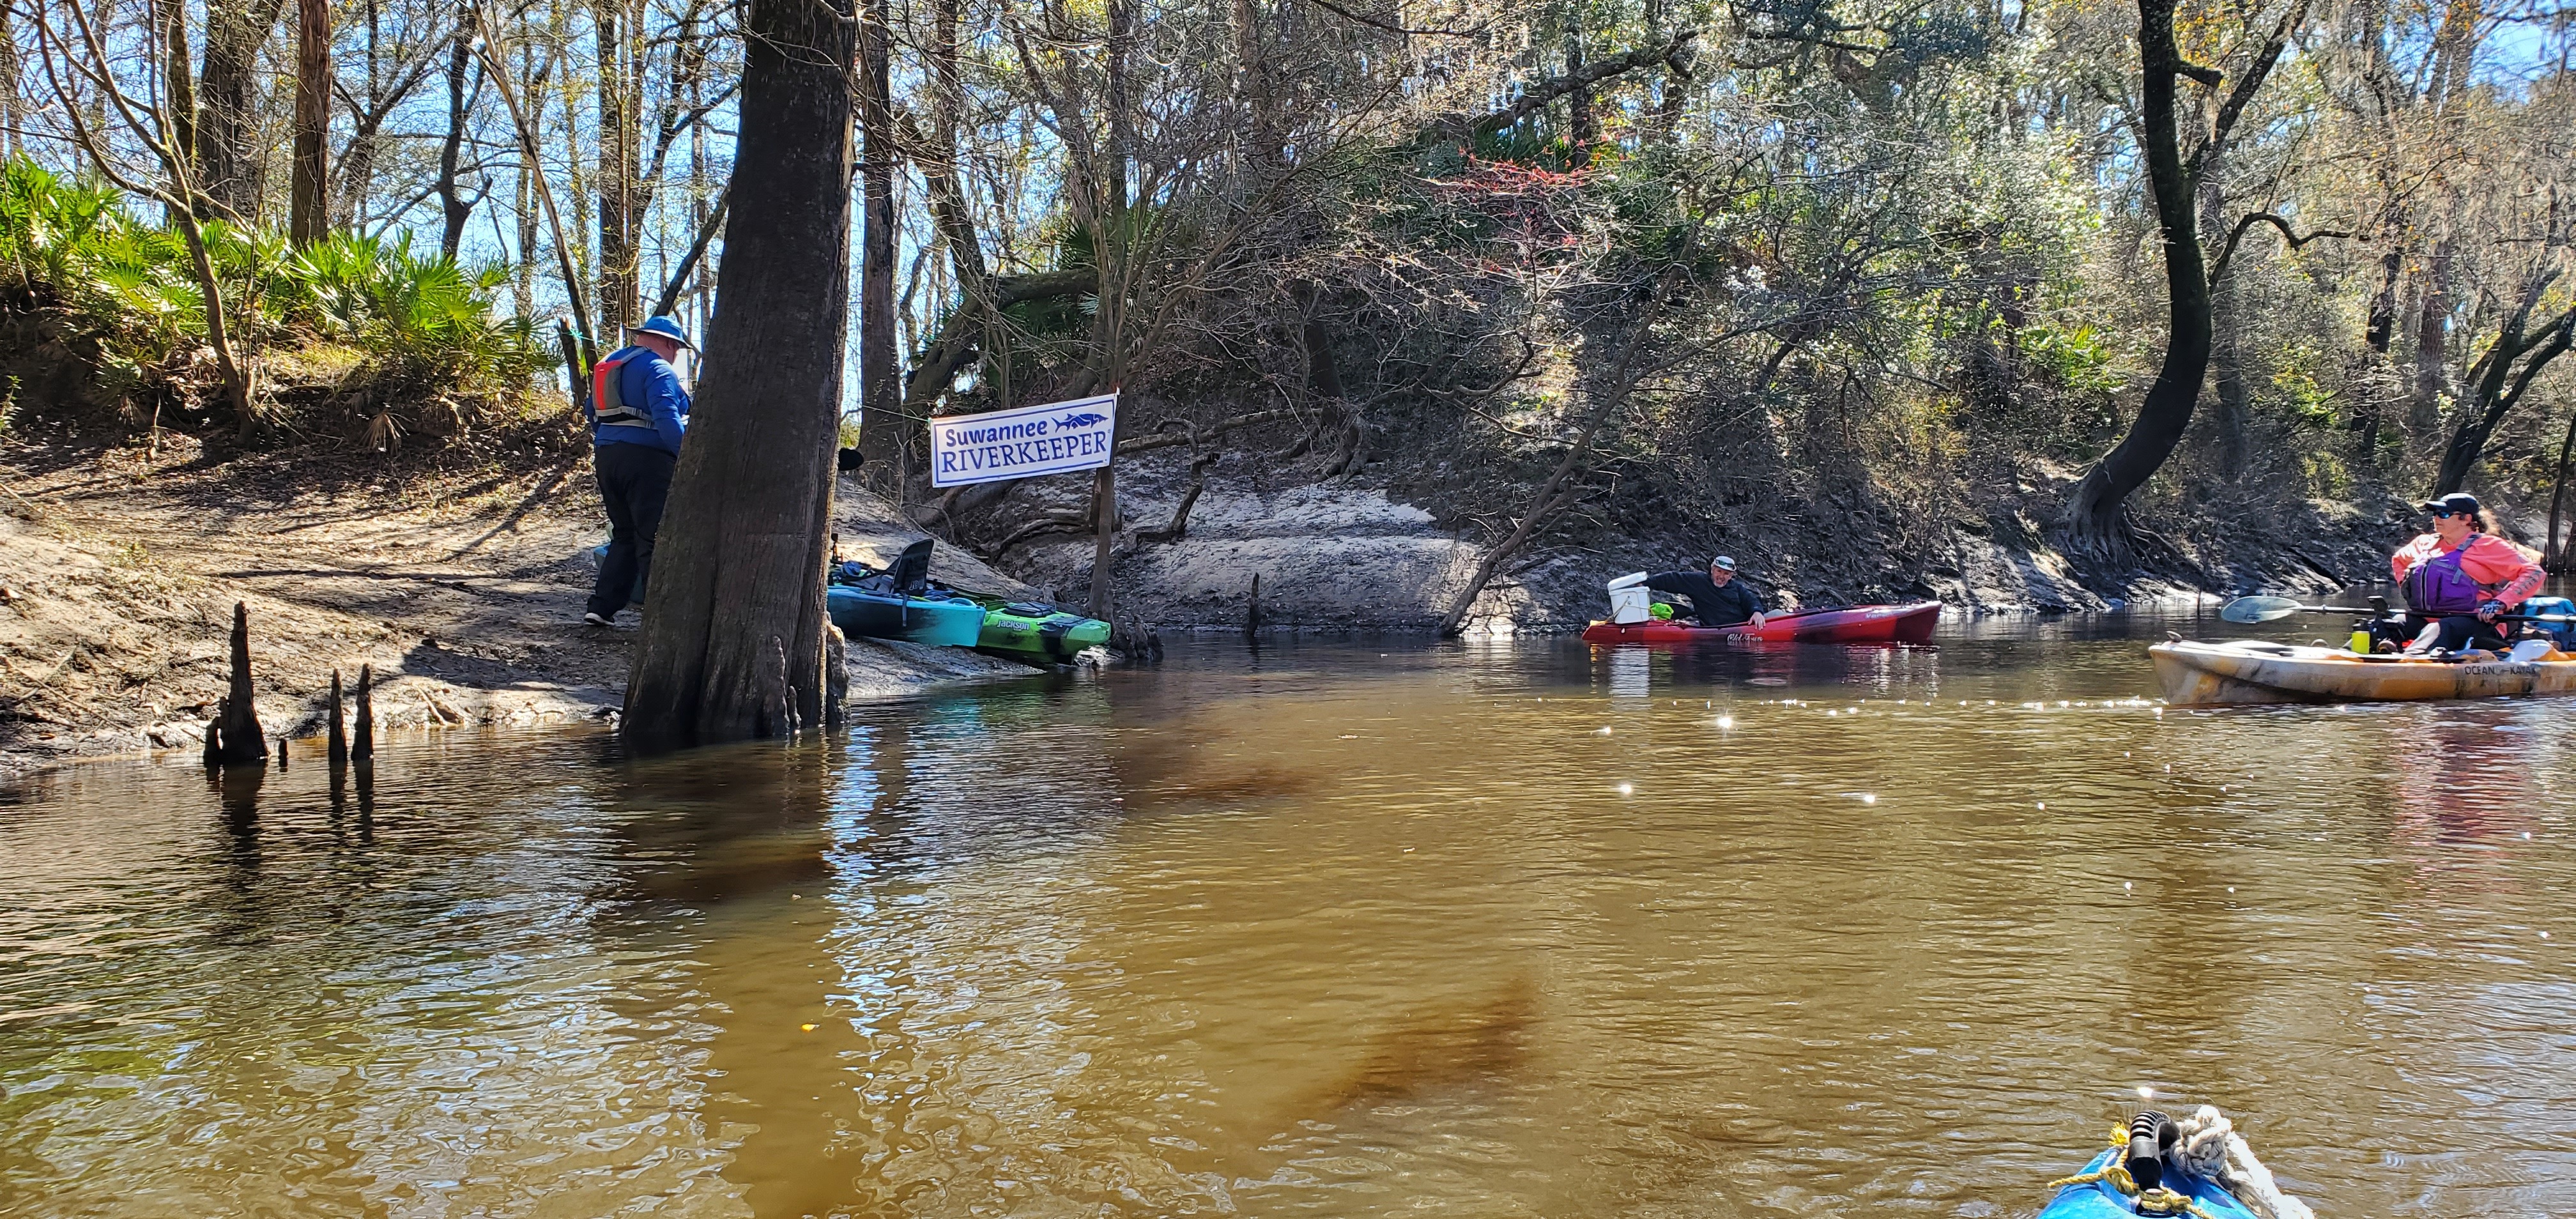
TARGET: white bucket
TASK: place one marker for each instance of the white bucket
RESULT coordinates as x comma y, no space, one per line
1630,601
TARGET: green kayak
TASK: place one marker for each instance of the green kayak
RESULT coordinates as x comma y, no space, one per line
1026,630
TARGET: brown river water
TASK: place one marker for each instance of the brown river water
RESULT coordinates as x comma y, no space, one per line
1342,928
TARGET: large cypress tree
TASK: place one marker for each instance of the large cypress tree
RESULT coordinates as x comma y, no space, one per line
732,643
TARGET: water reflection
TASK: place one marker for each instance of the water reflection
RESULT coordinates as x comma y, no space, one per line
1327,929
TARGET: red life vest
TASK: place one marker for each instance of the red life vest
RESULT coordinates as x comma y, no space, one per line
608,405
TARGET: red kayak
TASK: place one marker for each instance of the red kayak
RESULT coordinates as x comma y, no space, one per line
1854,624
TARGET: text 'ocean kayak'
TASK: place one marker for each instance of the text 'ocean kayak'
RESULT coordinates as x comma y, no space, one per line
2249,671
1854,624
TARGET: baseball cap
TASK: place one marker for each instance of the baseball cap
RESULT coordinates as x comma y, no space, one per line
2455,504
1722,562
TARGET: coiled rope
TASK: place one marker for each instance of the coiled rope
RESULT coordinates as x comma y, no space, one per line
2211,1148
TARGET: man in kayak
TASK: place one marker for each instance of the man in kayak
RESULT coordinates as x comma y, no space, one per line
638,416
1717,599
2460,578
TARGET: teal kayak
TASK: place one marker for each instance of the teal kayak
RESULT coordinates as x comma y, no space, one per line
937,618
900,602
2102,1197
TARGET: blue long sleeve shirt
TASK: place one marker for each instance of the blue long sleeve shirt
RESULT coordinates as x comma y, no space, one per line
647,383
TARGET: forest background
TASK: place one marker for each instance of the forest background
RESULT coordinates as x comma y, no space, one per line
1863,290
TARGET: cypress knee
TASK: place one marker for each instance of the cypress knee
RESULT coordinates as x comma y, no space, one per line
339,727
365,748
243,743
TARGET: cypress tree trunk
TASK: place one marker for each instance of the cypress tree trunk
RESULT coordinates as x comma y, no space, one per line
9,120
2093,516
732,644
2235,399
883,436
620,147
2555,558
454,208
2500,379
228,156
308,198
181,100
2432,345
1582,126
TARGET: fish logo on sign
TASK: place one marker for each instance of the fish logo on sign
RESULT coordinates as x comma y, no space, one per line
1023,442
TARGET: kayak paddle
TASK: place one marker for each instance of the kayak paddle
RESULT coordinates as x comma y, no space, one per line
2265,609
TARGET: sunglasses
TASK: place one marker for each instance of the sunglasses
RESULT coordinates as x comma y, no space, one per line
2440,513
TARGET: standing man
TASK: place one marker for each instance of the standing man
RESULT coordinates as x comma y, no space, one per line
1716,599
638,415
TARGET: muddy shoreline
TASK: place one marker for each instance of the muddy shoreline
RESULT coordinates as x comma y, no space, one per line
118,577
1334,555
118,573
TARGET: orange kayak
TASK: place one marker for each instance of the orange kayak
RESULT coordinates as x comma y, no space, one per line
1853,624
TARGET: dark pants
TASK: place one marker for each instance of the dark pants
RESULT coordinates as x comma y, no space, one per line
2459,632
633,481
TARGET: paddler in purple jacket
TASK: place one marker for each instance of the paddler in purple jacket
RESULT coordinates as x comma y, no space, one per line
2461,577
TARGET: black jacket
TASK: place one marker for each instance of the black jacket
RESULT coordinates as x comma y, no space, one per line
1713,606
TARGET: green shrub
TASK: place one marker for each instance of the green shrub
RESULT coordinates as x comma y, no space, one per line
85,272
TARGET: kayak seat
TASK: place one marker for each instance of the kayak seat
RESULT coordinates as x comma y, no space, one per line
911,569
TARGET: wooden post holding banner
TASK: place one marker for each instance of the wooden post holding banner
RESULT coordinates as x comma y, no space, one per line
1024,442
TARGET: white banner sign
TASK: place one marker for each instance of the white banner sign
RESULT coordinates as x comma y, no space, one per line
1023,442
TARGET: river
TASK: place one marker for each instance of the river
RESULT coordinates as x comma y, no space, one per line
1330,928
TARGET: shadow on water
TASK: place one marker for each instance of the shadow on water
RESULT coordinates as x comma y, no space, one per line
1431,1050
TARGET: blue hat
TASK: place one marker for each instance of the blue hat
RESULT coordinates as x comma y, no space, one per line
665,327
